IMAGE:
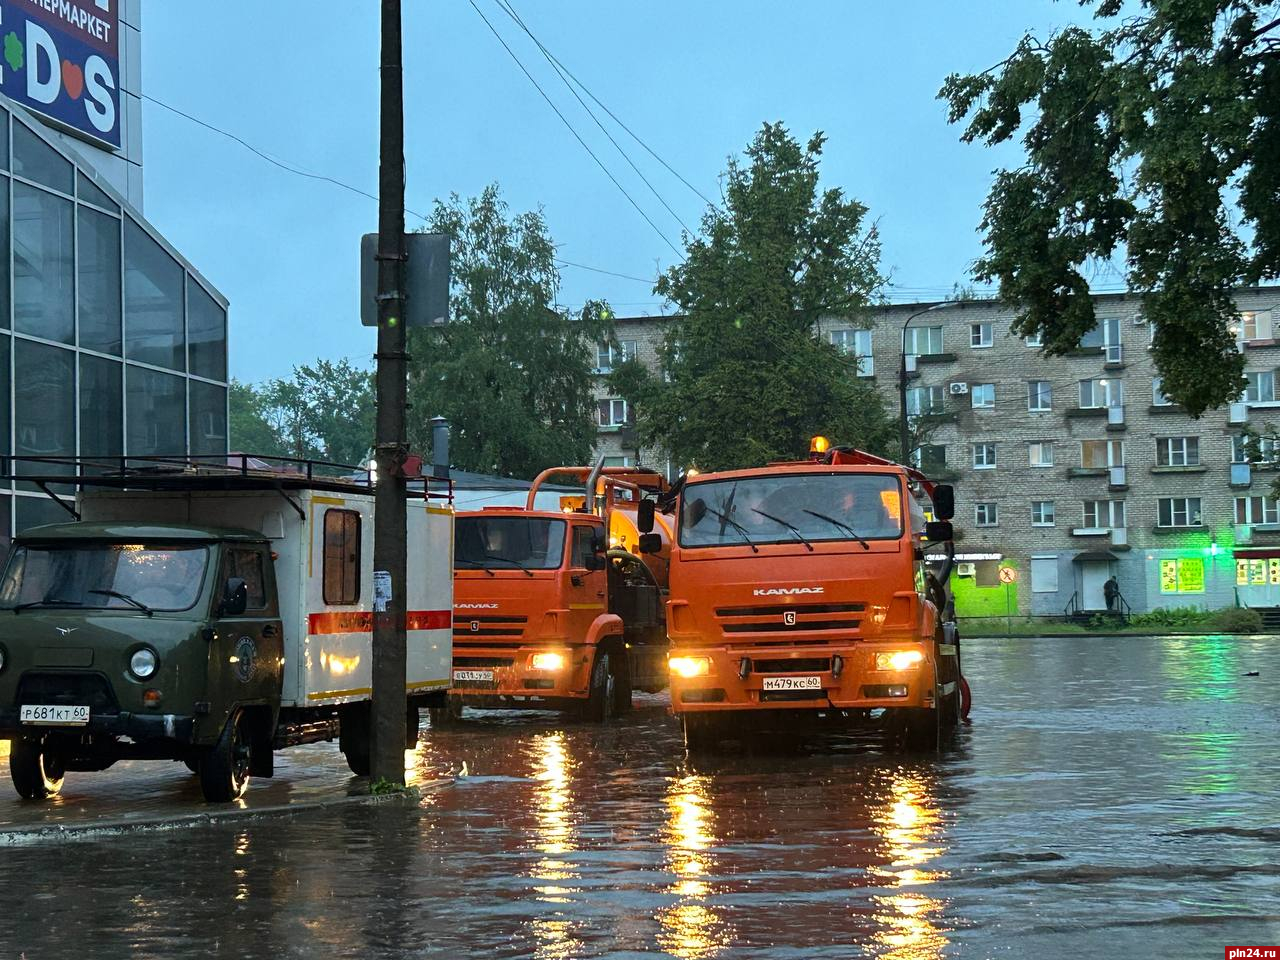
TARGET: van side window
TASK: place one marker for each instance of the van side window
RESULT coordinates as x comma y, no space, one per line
341,556
247,565
583,538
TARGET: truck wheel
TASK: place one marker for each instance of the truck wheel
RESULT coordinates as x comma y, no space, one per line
602,693
354,721
447,715
701,732
919,728
413,723
37,773
622,684
224,769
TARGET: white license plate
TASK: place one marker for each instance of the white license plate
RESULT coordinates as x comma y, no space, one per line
793,683
473,676
54,716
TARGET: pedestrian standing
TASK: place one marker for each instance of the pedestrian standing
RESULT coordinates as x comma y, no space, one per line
1111,592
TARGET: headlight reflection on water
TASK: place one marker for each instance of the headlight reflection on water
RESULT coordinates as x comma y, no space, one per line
554,934
691,928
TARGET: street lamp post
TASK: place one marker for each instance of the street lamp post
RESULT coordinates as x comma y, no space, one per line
904,435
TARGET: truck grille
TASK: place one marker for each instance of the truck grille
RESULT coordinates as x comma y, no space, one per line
780,620
471,663
488,631
72,689
798,665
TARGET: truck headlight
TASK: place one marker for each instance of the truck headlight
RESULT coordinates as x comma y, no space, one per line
143,663
898,660
689,667
547,661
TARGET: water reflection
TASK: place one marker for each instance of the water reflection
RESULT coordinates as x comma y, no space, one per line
910,828
691,928
555,936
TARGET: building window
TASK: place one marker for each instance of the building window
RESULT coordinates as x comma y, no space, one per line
608,354
1039,395
984,456
43,270
1182,575
1100,454
986,514
856,343
1034,340
1178,451
1106,337
980,335
1104,514
1040,454
1042,513
925,401
341,556
982,396
923,341
1158,399
101,408
930,458
1261,388
44,414
1257,571
156,411
613,412
1253,449
1255,326
1102,392
153,295
98,282
1178,512
206,333
208,427
1257,510
617,461
1044,574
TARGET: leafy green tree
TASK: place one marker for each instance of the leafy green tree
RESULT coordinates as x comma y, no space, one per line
250,430
1155,137
512,369
746,378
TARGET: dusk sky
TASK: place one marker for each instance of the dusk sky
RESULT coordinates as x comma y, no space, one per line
299,81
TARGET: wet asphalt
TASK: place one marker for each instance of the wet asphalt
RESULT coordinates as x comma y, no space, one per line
1112,797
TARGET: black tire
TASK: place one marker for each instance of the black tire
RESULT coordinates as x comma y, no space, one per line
354,731
192,764
919,729
224,768
413,723
37,772
602,691
622,684
447,715
701,732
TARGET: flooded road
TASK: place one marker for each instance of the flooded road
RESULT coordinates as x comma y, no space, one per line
1113,797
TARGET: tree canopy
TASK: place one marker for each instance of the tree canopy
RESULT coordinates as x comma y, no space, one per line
1154,137
745,377
512,369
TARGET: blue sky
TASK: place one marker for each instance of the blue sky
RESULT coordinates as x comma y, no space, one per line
299,80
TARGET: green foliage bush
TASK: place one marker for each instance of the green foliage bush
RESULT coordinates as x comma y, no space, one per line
1174,617
1238,620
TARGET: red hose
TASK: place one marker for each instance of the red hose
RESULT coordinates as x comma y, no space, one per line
966,699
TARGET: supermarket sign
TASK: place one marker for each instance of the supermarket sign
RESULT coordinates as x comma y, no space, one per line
61,58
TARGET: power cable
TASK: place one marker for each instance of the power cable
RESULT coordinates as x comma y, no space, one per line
506,6
563,119
634,136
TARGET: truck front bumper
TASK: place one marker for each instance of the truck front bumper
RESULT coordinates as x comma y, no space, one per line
831,676
138,727
506,677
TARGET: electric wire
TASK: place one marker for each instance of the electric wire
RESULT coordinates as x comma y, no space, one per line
577,136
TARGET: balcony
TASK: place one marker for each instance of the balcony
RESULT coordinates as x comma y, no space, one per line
1115,418
1073,472
1120,538
1237,413
1083,413
1118,478
1241,474
1244,533
1092,531
935,357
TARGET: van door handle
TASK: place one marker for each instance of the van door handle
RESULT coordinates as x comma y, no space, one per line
269,630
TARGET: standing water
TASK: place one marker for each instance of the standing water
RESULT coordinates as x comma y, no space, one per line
1113,797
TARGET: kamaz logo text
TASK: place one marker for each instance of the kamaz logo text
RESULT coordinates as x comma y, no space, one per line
786,591
475,606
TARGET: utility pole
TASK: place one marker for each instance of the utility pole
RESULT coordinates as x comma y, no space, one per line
388,722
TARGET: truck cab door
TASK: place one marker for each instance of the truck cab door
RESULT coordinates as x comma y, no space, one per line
585,589
246,651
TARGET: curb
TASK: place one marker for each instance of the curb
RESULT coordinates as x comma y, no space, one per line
123,826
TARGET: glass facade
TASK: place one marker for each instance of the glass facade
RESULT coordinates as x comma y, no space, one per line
110,345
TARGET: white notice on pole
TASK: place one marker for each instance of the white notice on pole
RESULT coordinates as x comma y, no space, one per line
381,590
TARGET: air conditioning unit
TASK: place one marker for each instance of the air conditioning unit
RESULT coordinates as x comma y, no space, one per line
966,569
959,389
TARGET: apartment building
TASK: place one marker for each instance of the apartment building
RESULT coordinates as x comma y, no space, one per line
1071,470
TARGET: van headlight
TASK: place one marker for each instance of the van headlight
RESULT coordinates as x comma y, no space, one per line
143,663
898,660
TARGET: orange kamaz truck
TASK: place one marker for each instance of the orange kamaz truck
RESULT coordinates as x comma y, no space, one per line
556,609
800,593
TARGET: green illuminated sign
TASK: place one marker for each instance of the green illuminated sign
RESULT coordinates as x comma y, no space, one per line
1183,575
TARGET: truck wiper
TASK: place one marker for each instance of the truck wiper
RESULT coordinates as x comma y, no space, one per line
46,602
514,563
476,566
126,598
842,525
736,525
790,526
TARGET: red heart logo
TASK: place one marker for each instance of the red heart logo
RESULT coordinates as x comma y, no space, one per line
72,79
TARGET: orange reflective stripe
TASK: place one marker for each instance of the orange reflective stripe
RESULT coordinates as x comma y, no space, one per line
361,621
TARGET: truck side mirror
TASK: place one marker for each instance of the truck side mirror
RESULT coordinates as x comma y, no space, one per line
938,531
650,543
595,559
944,502
235,598
644,516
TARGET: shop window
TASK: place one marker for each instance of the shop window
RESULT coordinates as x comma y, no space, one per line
43,272
1182,575
208,427
341,557
44,401
1257,571
153,283
155,413
101,407
98,281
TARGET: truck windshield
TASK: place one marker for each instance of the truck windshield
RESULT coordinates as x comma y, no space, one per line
104,575
796,508
508,543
